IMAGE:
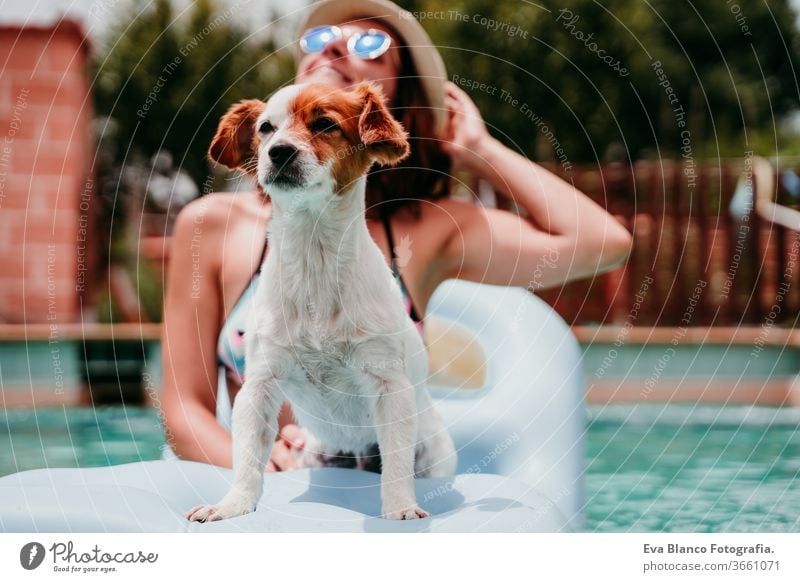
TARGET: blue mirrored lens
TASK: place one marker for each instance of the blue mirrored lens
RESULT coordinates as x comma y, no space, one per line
368,44
316,39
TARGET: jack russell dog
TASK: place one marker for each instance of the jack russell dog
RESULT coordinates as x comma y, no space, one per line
329,333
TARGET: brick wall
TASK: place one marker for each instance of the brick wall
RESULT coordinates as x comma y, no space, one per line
46,189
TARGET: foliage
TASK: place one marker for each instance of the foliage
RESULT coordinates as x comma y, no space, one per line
162,81
731,63
166,80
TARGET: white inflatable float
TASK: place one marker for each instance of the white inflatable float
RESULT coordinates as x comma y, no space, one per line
516,415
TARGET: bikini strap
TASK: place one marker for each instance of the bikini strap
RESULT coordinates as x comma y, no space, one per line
263,256
396,270
390,239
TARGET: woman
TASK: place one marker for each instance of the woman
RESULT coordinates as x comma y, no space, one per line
219,240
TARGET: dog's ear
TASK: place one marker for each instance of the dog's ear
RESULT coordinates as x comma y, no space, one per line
383,135
234,143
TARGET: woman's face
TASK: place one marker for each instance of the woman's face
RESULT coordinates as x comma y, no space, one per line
336,66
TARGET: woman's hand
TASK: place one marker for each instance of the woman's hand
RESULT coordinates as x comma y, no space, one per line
466,134
289,439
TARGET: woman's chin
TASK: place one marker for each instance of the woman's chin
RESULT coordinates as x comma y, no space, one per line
325,77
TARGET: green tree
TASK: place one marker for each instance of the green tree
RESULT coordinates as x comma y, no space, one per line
731,64
163,80
166,80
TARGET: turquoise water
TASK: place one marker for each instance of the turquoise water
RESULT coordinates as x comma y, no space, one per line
649,468
693,469
77,437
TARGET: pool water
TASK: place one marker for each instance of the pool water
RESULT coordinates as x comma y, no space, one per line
77,437
693,469
649,467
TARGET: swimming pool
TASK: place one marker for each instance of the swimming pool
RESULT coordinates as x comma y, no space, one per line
649,467
77,437
693,469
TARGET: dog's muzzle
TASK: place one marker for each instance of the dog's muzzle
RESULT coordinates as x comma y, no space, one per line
284,168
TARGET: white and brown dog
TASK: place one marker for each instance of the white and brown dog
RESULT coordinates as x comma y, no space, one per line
329,332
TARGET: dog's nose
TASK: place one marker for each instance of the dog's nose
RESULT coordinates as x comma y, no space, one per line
282,153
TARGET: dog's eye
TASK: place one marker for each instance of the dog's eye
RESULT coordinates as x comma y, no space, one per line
265,127
323,125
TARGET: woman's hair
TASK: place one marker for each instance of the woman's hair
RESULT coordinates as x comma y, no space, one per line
425,173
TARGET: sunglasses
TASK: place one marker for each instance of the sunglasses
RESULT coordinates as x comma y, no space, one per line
367,45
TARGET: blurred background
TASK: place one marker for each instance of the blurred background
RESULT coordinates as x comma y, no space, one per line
682,118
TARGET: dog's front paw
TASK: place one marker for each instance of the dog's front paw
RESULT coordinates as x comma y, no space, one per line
222,510
411,512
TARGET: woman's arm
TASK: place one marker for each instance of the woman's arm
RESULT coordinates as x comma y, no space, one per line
567,237
192,315
192,320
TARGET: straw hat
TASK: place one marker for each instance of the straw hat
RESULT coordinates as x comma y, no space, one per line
427,61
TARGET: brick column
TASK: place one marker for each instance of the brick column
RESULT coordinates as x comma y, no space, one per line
46,187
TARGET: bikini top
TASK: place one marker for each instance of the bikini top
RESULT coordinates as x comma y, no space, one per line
230,344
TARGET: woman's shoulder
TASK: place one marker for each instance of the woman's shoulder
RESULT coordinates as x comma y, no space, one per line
218,212
214,208
203,224
454,206
449,214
